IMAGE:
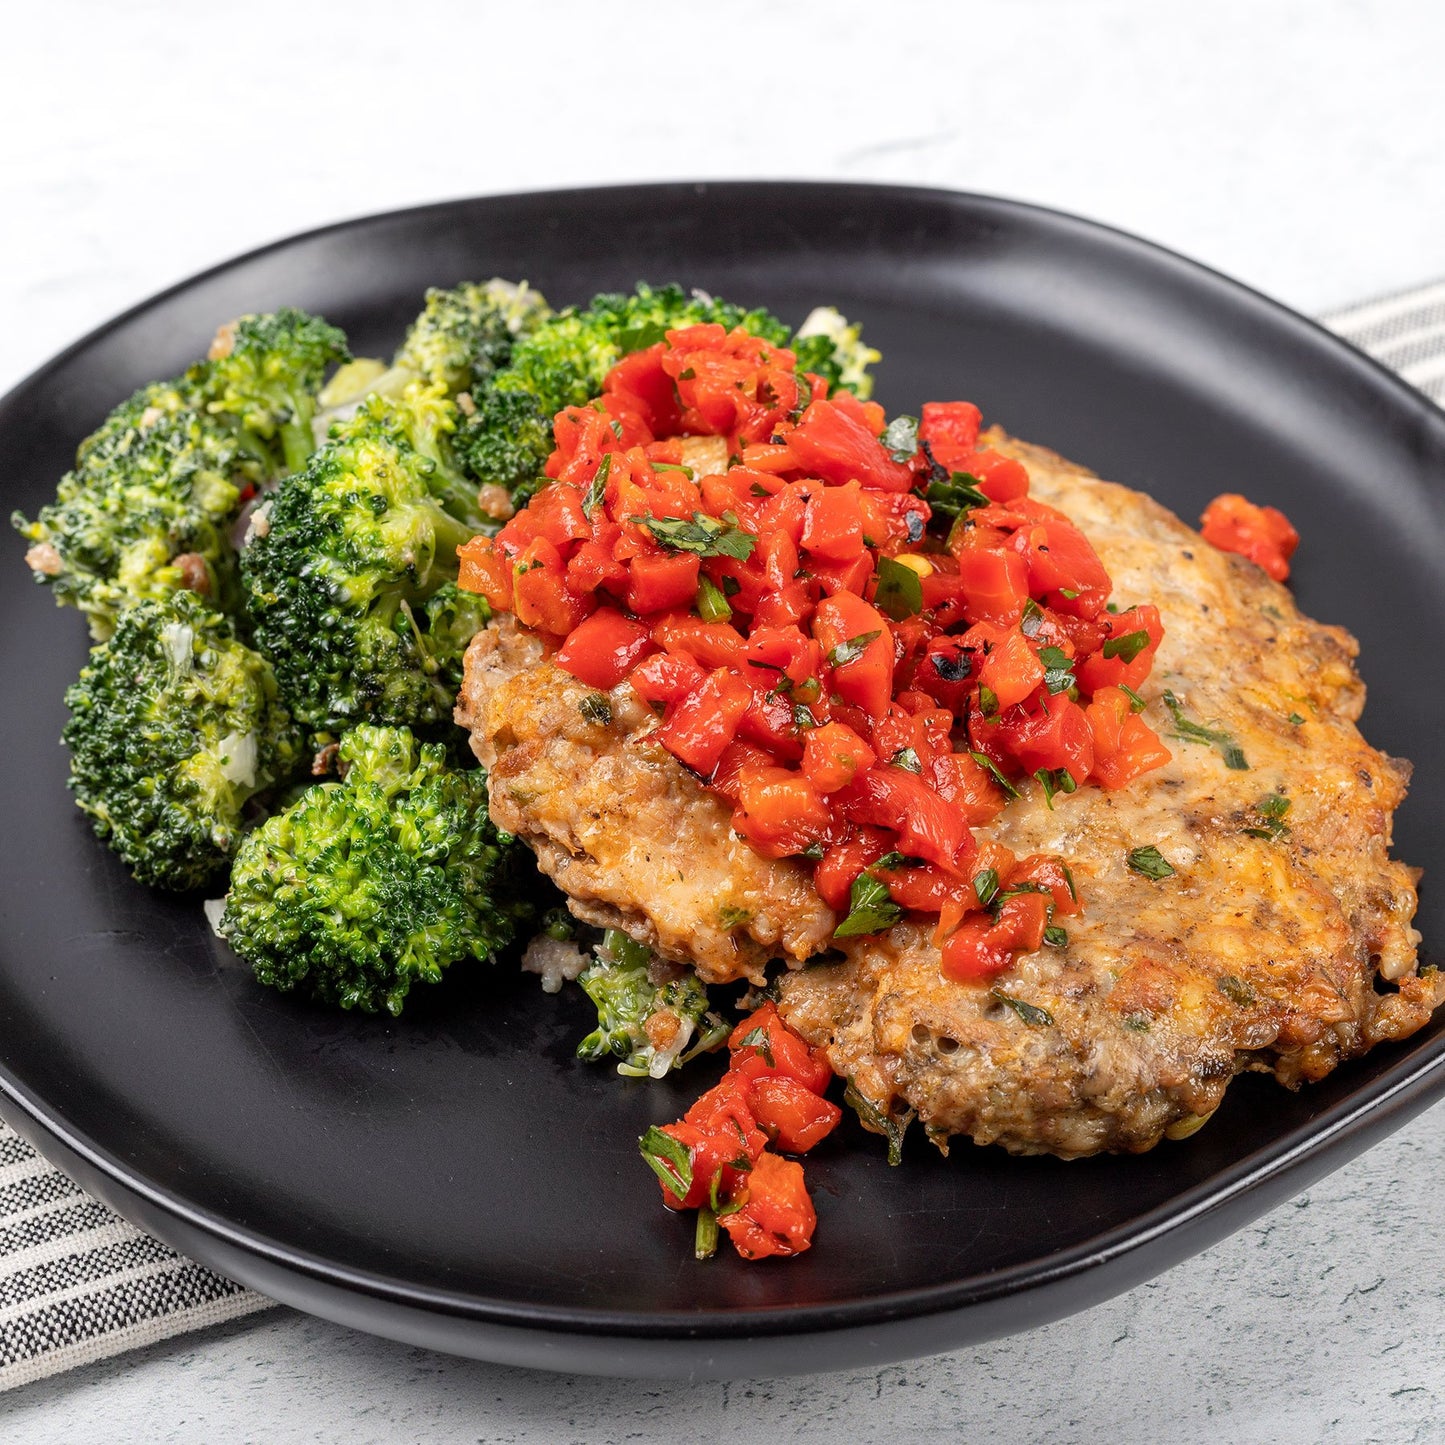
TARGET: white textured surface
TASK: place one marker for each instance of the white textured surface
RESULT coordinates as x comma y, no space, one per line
1295,145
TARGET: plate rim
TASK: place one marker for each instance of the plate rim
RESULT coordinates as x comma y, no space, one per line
1406,1085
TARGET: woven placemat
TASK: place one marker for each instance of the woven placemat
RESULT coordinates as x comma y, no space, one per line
78,1284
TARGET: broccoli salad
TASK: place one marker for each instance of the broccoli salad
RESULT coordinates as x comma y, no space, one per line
265,550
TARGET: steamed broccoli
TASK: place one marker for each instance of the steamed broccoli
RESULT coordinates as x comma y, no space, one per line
646,1026
149,506
831,346
265,372
464,335
350,570
564,359
174,727
365,886
505,442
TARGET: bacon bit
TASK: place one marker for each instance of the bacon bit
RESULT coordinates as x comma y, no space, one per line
223,343
1262,534
325,760
44,559
494,501
195,575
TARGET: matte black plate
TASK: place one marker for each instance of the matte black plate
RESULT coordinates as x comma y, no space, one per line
455,1178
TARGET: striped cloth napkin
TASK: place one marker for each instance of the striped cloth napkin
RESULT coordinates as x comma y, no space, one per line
77,1284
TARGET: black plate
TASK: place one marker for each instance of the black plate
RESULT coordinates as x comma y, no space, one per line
456,1179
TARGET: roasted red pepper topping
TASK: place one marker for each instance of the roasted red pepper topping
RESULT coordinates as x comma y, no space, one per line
719,1157
1263,534
864,695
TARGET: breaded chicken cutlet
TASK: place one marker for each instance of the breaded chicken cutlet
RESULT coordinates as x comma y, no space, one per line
1281,940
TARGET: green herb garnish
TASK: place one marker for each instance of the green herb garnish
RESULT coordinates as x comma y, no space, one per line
1192,732
900,590
669,1160
1270,810
1127,647
596,709
597,488
900,438
1150,862
871,908
704,535
1030,1013
852,650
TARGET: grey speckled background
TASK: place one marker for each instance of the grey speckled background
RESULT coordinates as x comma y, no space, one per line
1296,145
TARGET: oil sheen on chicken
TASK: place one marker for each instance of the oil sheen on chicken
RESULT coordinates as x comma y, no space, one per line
1278,943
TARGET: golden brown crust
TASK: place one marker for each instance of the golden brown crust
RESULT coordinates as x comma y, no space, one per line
1259,953
620,826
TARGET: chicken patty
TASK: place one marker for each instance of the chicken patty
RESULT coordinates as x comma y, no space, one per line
620,825
1280,941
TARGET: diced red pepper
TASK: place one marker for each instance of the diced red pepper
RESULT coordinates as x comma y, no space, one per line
995,586
763,1044
981,948
602,650
794,1116
833,755
666,678
833,523
700,726
780,812
541,597
1263,534
951,430
777,1216
926,825
829,443
841,624
662,580
1134,637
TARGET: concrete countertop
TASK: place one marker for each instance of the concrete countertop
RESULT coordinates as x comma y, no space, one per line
1293,145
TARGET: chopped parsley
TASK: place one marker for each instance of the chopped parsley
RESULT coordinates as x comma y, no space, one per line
1127,647
881,1121
596,709
1034,1016
957,495
907,759
1057,780
985,884
900,438
987,701
597,488
1056,937
669,1160
900,590
1269,814
1192,732
1235,990
704,535
1150,862
871,908
852,650
993,770
1058,669
1136,703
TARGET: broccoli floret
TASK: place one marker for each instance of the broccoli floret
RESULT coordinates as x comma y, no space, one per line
174,727
831,346
349,570
464,335
265,372
366,886
646,1026
505,442
149,506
